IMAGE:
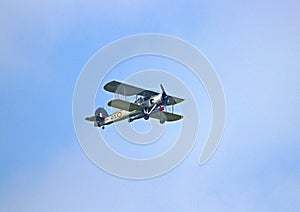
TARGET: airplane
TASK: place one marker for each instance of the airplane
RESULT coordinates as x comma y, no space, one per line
147,104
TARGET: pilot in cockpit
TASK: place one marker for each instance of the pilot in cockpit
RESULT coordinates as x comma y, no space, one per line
139,100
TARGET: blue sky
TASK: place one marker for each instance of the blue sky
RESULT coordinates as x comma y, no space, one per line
254,48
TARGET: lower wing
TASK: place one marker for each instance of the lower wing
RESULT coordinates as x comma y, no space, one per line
123,105
167,116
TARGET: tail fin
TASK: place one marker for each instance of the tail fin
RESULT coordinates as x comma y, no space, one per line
100,115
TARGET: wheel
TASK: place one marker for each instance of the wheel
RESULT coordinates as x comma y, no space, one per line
103,127
146,117
162,121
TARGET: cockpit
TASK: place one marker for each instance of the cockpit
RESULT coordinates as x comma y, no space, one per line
139,100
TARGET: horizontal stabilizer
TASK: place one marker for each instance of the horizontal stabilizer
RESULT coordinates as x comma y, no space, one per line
92,118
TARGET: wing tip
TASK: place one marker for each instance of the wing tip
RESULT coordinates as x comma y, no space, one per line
109,103
108,86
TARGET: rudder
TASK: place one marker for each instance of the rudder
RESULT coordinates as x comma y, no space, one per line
100,115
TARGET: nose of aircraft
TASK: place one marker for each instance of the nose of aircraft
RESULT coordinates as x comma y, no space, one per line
165,97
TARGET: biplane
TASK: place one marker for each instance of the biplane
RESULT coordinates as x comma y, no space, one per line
146,104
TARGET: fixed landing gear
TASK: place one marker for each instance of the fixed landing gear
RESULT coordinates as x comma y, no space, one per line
162,120
103,127
146,117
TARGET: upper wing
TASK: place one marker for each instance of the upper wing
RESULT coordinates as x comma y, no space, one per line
123,105
174,100
127,90
168,116
130,90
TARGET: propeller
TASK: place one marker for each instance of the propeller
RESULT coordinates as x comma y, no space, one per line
165,97
169,100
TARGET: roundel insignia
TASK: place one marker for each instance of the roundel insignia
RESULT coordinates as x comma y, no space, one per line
119,114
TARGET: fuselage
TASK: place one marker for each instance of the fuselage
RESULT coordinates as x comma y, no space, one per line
119,116
149,106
